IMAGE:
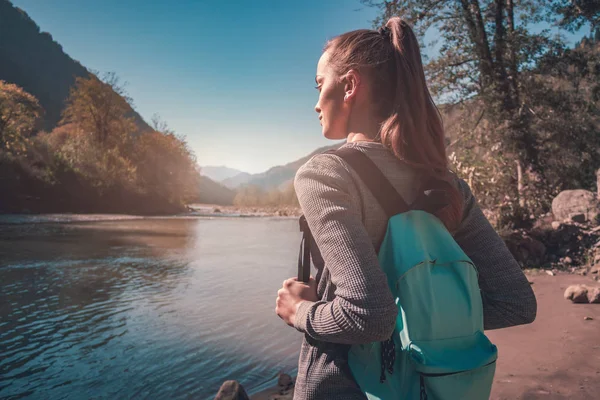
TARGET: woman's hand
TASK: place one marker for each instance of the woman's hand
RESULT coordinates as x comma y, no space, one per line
291,295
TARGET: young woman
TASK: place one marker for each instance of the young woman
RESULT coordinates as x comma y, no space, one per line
373,93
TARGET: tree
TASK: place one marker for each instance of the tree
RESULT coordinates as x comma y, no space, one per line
573,14
166,167
487,63
100,108
95,135
19,115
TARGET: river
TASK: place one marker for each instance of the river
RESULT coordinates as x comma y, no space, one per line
117,307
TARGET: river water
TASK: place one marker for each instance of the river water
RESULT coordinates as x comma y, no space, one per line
113,307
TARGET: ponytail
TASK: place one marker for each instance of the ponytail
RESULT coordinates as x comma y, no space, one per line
411,126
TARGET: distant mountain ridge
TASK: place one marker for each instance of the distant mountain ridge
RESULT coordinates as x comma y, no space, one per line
32,60
277,177
219,173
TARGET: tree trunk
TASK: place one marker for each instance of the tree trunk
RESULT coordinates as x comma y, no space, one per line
514,73
474,19
598,183
500,55
520,188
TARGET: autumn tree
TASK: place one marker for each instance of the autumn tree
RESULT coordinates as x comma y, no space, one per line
166,166
97,132
19,115
101,109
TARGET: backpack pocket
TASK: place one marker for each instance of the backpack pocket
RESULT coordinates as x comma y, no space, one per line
458,368
474,384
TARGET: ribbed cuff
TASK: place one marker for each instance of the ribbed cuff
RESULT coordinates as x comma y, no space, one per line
302,315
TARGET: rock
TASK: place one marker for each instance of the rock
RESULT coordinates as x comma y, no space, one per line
543,223
231,390
567,261
594,295
556,225
550,273
579,218
284,380
217,211
570,203
588,318
525,249
577,293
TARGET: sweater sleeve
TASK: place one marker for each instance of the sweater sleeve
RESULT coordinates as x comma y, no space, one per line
363,309
508,298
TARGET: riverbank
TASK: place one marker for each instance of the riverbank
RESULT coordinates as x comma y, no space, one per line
244,211
555,357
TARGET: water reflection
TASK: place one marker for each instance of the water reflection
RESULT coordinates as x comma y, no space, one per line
144,308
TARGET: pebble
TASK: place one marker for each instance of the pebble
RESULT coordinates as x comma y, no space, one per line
588,318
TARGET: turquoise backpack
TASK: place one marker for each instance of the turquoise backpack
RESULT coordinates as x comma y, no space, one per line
438,350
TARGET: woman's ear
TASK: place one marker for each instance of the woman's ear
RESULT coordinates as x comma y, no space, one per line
351,84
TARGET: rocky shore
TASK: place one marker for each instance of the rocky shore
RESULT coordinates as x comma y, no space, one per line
283,390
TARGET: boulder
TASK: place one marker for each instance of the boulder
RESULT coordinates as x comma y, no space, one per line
594,295
577,293
232,390
573,203
284,380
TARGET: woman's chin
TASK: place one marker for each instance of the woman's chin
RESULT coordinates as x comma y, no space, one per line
333,135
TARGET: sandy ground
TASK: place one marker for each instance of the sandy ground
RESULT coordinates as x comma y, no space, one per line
555,357
558,355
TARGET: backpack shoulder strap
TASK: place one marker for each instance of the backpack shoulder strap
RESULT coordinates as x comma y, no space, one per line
431,197
387,196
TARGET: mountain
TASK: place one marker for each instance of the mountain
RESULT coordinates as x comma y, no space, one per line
212,192
277,177
220,173
33,60
238,180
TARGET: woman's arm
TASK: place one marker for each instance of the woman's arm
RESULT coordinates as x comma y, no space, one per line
508,299
363,309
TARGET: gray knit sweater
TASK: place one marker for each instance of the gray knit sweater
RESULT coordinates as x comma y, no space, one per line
356,304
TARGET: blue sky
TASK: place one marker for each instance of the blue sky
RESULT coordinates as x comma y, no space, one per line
235,77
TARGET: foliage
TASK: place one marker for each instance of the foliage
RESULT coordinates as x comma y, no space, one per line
254,195
96,159
99,108
165,165
19,115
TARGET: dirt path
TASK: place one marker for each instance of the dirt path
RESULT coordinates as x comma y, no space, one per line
558,355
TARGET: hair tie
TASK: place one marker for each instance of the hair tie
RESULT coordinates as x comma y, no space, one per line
384,31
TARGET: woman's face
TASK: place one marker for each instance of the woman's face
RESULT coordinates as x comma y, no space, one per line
331,107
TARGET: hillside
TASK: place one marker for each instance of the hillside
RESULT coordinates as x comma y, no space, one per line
211,192
32,60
